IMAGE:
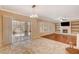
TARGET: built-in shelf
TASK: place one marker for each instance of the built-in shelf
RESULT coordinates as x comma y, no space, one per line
57,25
74,26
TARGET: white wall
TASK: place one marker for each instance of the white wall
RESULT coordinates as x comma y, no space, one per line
46,27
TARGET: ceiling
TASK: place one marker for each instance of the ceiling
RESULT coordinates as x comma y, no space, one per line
52,12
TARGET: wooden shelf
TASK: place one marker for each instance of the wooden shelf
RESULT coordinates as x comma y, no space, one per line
57,26
75,26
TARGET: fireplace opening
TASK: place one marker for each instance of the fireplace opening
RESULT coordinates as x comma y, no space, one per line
65,30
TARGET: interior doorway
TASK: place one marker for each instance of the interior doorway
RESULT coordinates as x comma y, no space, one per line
21,32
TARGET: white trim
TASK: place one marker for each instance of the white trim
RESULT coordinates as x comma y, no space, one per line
11,11
46,18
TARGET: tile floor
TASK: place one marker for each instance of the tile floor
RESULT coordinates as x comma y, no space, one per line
36,46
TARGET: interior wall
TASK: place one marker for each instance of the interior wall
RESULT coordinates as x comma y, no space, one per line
5,25
50,27
35,28
7,30
35,32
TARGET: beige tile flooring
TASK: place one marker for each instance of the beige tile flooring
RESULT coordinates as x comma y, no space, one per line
36,46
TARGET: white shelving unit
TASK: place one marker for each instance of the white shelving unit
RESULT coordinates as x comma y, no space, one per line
75,27
57,27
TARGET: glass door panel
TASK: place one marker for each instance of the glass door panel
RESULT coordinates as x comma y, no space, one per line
21,31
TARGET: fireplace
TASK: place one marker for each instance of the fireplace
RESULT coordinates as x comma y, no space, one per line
65,30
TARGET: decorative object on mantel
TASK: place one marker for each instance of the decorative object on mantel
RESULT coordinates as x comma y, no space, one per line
34,15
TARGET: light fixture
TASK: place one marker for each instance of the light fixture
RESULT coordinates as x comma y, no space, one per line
63,18
34,15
